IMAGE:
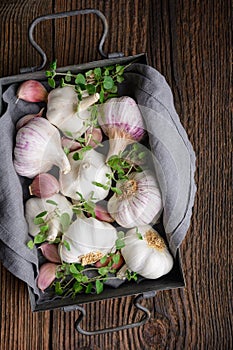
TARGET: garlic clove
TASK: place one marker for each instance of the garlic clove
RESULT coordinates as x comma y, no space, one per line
121,120
44,186
94,137
24,120
32,91
47,275
38,148
50,252
70,144
102,214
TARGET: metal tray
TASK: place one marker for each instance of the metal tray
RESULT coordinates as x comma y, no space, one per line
146,288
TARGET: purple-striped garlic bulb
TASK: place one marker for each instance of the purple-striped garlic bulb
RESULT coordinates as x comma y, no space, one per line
38,148
121,120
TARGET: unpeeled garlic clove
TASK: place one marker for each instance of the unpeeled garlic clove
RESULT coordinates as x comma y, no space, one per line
50,252
47,275
44,186
24,120
32,91
70,144
94,137
102,214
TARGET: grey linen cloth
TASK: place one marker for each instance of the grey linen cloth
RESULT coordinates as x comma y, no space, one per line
173,156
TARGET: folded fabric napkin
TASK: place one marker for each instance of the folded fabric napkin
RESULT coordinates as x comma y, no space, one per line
173,156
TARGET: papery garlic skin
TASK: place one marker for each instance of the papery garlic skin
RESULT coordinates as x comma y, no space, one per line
148,256
44,186
140,202
32,91
83,172
35,206
67,113
38,148
25,119
121,120
89,240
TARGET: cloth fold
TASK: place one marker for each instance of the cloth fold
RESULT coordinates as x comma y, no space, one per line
173,157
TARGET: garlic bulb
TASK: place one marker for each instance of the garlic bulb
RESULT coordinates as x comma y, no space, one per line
65,111
35,206
44,186
121,120
91,168
147,255
38,148
32,91
89,240
140,202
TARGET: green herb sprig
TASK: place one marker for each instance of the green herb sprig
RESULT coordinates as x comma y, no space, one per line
103,80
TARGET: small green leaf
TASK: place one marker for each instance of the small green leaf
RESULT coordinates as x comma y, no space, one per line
73,269
120,79
89,73
103,259
103,270
65,221
48,73
40,238
68,76
114,89
141,155
40,215
99,286
44,228
101,99
58,288
68,133
50,201
116,190
120,244
108,83
66,150
51,83
30,244
38,221
120,69
98,184
91,89
77,287
53,65
116,258
97,73
66,244
120,234
76,156
89,288
80,79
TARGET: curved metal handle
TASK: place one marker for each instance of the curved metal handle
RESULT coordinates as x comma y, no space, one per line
63,15
136,301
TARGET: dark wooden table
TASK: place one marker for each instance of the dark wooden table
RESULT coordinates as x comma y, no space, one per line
189,43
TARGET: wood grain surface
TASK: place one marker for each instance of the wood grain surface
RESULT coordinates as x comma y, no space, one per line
190,43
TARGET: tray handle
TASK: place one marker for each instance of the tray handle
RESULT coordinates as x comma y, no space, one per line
145,317
63,15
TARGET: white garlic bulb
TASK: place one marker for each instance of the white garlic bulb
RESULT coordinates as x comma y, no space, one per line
38,148
35,206
145,252
89,240
84,172
121,120
139,203
66,112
